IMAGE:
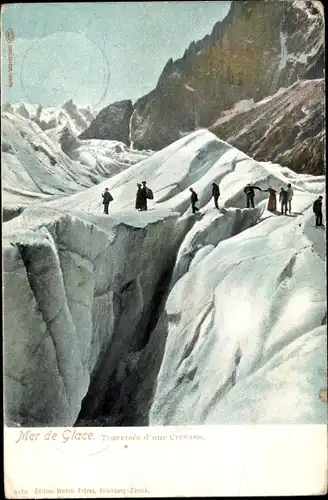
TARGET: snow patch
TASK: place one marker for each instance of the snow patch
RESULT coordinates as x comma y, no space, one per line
283,51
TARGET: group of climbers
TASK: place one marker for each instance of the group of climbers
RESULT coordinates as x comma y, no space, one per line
194,197
285,198
144,193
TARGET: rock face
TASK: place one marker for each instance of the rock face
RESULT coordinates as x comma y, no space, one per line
112,123
286,128
260,47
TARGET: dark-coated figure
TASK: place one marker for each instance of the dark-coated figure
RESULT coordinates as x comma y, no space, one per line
139,197
193,200
107,198
215,194
317,209
250,194
144,206
283,198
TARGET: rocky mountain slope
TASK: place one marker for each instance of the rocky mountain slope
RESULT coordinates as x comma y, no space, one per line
259,48
287,127
130,319
113,123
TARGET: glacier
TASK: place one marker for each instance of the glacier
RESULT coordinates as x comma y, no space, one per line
159,317
48,119
40,166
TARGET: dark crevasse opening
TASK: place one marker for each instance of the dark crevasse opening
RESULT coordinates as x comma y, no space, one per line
106,413
129,378
156,307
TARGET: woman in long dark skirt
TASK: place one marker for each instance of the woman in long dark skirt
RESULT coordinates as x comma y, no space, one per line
272,203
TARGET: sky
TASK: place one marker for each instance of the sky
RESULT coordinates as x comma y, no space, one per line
97,53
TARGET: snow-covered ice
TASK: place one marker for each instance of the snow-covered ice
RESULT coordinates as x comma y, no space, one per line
240,335
248,344
69,115
36,165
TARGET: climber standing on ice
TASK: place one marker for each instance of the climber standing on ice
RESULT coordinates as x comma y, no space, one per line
317,209
193,200
139,197
143,197
283,198
250,195
146,194
107,198
215,194
290,194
